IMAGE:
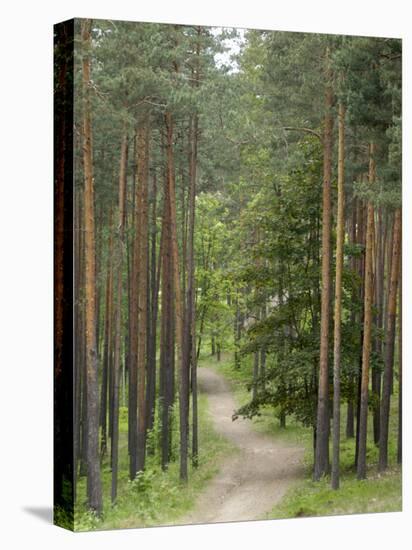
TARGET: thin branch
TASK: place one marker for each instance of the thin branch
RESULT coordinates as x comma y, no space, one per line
307,130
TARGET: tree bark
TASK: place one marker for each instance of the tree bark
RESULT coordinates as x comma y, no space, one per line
183,368
118,313
350,417
166,382
367,327
400,389
107,348
133,325
190,362
361,266
376,375
322,428
151,350
94,490
340,238
143,236
390,342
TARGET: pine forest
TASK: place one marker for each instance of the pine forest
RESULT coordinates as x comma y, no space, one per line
237,308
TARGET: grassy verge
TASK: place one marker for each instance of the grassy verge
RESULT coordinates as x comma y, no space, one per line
155,497
378,493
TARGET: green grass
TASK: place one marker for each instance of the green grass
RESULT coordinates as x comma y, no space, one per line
155,497
378,493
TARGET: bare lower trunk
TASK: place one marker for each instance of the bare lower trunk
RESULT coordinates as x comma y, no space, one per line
118,315
166,392
322,428
151,348
399,450
94,490
340,237
107,342
142,179
390,342
367,328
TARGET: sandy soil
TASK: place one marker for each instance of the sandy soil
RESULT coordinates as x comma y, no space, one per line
252,481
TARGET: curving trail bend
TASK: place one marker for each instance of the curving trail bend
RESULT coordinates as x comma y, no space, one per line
252,481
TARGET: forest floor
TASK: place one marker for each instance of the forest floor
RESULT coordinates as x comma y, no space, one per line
256,478
248,469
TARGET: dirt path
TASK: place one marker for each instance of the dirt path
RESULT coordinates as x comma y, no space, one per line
252,481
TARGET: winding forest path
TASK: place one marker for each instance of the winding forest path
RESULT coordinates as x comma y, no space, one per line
252,481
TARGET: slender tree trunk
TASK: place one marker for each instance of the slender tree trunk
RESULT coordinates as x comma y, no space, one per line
83,416
190,317
361,266
256,358
376,376
94,490
99,245
133,323
107,341
340,238
183,367
263,350
322,429
151,351
166,390
213,345
79,347
118,314
367,327
350,418
390,342
236,333
388,289
399,450
142,177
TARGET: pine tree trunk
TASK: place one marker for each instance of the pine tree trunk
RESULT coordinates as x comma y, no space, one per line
151,350
322,428
183,368
83,414
133,325
340,238
99,245
390,342
166,390
367,327
376,376
143,236
118,314
361,267
107,341
400,389
263,353
350,414
190,317
78,334
94,490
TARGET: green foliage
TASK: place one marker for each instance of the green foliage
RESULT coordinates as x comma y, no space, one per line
63,518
